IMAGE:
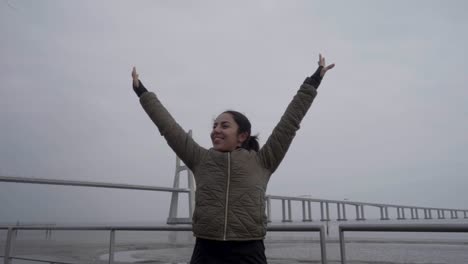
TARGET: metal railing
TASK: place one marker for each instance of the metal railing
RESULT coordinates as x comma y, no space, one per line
440,228
286,202
13,229
91,184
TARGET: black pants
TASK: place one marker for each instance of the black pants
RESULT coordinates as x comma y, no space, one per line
226,252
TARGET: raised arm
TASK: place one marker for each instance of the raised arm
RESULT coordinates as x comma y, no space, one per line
179,140
275,148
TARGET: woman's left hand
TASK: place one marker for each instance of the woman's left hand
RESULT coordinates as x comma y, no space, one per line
321,62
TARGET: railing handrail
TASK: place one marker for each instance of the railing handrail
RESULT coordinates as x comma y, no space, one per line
278,228
275,227
404,227
186,190
432,228
91,184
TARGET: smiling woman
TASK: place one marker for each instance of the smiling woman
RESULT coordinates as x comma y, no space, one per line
229,220
232,130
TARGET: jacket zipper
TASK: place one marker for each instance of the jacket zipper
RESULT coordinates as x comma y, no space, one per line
227,195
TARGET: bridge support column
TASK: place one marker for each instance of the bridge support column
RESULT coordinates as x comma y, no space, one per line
384,213
401,213
343,206
359,212
341,209
172,218
452,215
284,206
324,211
465,214
306,211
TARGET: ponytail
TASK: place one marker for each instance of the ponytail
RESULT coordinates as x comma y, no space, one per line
251,143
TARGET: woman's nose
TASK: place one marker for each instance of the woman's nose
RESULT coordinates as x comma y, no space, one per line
216,129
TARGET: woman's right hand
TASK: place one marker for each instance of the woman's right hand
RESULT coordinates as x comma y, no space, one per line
136,81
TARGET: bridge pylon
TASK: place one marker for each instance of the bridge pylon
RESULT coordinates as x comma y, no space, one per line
173,219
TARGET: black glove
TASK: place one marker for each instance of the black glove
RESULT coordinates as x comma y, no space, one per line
315,78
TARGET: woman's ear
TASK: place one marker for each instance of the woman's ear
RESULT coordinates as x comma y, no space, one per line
242,137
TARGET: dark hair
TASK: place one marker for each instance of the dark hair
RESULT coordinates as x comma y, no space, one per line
251,143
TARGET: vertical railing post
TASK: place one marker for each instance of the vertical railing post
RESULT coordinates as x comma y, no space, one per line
289,211
362,212
342,246
322,213
357,212
328,211
386,213
323,250
9,245
382,216
310,210
111,246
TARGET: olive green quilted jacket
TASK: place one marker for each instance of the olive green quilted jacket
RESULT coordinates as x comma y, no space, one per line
231,186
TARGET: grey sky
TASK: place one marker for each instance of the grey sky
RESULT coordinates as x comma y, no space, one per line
389,123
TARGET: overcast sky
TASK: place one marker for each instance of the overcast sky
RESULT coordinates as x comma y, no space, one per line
389,123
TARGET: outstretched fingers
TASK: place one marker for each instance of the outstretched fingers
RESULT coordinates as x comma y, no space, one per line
324,65
330,66
135,76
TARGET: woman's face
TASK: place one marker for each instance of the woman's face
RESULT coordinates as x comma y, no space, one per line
224,134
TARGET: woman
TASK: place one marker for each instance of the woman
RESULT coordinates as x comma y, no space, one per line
229,220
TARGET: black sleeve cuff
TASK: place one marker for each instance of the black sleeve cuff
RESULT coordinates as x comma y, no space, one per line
315,79
140,89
